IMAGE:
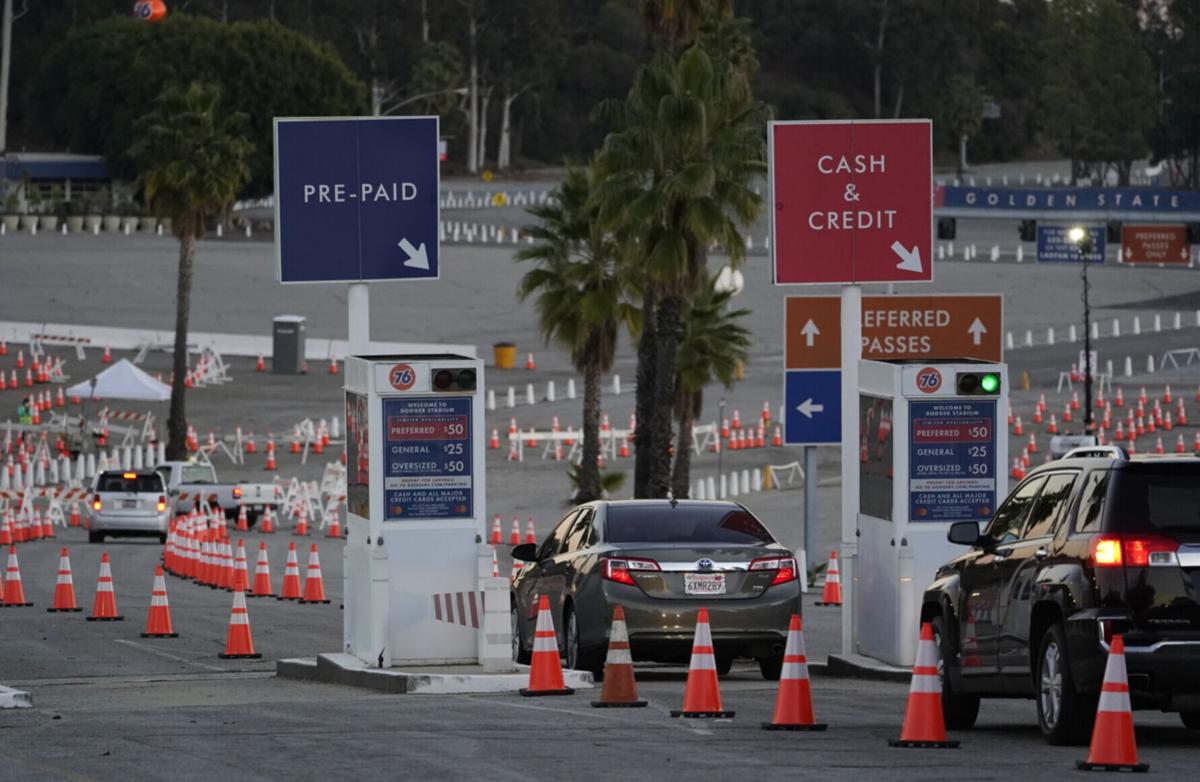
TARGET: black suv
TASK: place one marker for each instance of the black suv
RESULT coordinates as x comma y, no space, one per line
1091,545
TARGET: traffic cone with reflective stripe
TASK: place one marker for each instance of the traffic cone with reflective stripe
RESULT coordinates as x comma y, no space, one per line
496,538
262,574
334,528
158,622
64,587
314,585
104,608
243,524
620,688
514,537
291,576
241,571
238,643
1113,747
793,704
832,594
923,724
301,528
545,672
14,592
268,522
530,532
702,695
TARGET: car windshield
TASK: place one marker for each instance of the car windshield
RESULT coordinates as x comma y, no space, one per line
130,482
684,524
197,473
1163,499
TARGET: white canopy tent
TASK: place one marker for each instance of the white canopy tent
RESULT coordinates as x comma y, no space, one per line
122,381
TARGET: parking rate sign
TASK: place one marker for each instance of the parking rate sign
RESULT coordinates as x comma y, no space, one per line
952,460
427,471
356,199
853,201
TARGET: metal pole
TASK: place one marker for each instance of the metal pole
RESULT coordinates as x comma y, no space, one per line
358,305
1087,353
720,447
851,353
810,499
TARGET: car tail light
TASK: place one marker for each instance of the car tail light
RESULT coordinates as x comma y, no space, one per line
96,502
162,503
237,492
1134,550
622,570
784,567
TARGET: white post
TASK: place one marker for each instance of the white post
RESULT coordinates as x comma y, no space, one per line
1137,324
549,390
851,353
570,388
1157,323
1116,327
1050,335
529,394
359,310
491,399
616,387
1128,366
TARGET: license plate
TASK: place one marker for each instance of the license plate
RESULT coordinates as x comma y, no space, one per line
704,583
129,503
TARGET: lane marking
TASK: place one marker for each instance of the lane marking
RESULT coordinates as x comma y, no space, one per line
169,656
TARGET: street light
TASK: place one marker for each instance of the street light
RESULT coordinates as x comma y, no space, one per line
1081,238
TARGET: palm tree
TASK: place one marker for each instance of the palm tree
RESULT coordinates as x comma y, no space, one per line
679,21
712,344
193,163
675,177
581,294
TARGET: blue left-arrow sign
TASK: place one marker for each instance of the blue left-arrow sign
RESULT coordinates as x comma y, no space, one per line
356,199
812,407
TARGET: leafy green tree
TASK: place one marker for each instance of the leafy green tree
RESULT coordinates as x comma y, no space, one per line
582,297
262,69
963,112
712,344
193,161
676,178
1176,139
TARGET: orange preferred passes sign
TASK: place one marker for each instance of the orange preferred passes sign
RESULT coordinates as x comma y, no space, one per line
1166,244
896,328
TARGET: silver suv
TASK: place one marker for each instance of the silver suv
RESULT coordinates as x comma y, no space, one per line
128,503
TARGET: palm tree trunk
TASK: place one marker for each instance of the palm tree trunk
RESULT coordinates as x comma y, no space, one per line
177,419
681,478
589,471
668,324
647,378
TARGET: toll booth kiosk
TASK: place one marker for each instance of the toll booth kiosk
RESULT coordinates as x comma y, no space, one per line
933,449
415,498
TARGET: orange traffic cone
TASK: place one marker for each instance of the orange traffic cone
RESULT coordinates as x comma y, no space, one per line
529,362
270,465
923,724
14,593
107,357
1113,747
620,688
291,576
268,523
496,537
832,594
158,623
494,441
104,609
243,524
334,528
64,588
261,364
530,532
314,585
545,673
514,536
793,704
241,571
702,696
238,643
301,528
262,574
333,365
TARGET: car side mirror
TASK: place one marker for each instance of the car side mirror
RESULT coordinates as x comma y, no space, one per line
965,533
526,552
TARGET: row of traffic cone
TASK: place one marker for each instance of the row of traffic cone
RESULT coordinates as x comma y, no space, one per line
514,537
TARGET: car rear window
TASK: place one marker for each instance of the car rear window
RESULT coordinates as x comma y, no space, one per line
197,473
149,484
684,524
1165,498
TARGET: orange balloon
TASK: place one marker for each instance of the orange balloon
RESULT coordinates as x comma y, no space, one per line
150,10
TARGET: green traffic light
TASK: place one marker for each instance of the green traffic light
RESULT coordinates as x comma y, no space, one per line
990,383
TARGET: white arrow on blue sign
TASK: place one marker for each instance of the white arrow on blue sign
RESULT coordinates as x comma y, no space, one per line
356,199
812,407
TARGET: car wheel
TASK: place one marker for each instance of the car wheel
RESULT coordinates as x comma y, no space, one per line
1191,719
162,538
519,654
958,711
1065,715
579,658
95,537
724,664
771,667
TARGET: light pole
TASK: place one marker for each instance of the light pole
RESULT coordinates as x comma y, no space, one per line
1081,237
720,449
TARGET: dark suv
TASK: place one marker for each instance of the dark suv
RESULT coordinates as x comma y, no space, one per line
1091,545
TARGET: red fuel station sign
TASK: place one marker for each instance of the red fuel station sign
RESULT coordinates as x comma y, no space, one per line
853,201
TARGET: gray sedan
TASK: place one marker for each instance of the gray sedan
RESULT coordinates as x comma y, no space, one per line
128,504
661,561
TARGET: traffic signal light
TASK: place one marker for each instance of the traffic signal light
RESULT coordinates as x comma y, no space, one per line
453,379
978,383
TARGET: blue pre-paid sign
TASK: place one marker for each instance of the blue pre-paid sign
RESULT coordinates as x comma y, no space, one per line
356,199
952,460
812,407
1054,244
427,458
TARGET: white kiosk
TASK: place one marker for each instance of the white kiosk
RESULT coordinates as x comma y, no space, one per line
933,450
417,577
